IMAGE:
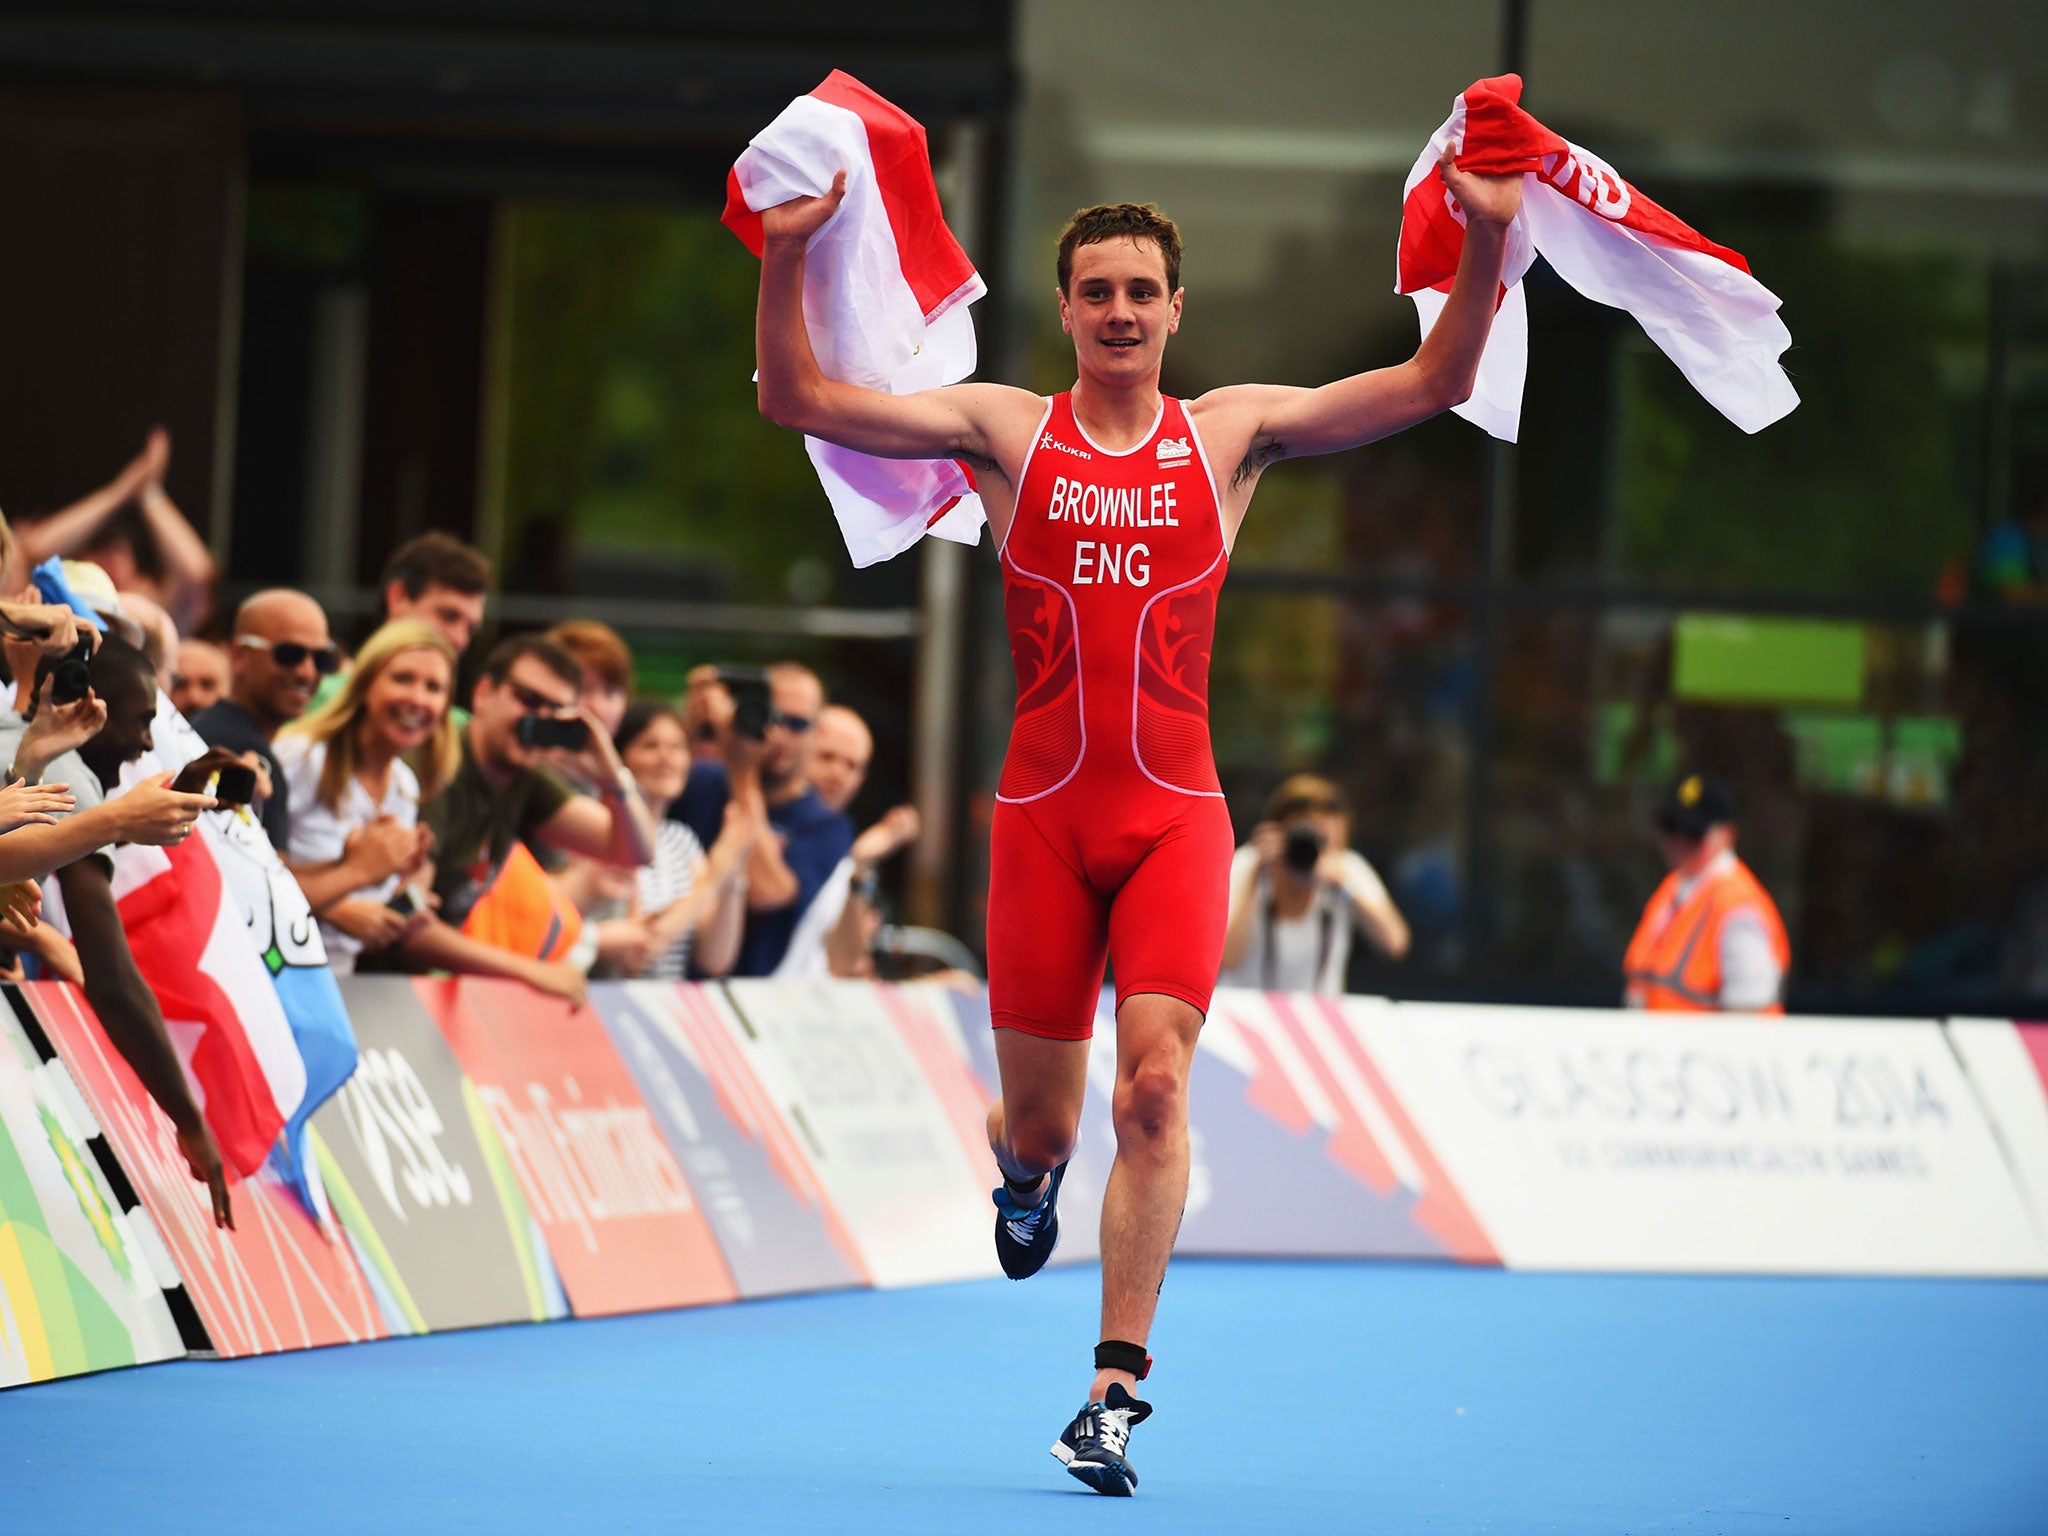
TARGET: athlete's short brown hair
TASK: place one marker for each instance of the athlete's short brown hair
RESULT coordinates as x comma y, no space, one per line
1106,221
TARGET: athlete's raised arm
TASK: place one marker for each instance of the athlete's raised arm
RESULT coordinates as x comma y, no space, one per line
958,421
1260,423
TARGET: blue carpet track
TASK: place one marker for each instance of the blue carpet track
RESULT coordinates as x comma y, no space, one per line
1291,1398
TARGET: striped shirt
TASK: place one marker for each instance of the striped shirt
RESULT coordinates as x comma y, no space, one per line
667,880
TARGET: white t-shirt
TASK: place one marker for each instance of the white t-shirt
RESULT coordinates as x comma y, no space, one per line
320,833
1308,953
806,958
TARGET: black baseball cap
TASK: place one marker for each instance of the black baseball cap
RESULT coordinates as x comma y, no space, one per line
1694,804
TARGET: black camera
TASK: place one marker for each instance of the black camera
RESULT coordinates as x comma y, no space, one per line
552,731
751,706
1303,848
71,673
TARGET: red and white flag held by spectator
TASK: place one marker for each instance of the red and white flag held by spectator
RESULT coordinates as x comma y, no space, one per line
192,947
1697,300
886,290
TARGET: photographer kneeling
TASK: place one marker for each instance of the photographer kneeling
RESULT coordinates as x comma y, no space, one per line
1296,891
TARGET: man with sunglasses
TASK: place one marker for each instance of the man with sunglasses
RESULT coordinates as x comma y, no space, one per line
770,780
508,798
277,655
808,838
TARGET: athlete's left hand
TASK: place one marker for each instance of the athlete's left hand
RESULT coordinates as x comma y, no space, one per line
1488,199
801,217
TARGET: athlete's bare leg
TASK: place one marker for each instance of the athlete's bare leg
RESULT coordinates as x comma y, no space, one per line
1148,1183
1034,1124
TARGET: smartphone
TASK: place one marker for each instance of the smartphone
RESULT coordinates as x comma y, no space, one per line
547,731
234,785
408,900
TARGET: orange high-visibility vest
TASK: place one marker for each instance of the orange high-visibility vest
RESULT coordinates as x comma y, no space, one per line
523,912
1674,961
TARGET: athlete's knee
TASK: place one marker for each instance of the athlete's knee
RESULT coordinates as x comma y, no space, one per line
1037,1143
1153,1100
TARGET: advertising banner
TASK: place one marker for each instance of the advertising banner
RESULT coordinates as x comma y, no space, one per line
2008,1066
1296,1144
1094,1146
619,1217
1304,1148
278,1280
876,1132
79,1290
425,1192
774,1221
1609,1140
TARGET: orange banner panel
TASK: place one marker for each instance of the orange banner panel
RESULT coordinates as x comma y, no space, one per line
626,1230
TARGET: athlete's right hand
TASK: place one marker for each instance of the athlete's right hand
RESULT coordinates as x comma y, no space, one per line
802,217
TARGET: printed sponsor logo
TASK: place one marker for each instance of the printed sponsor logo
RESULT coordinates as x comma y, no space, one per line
1049,441
1584,175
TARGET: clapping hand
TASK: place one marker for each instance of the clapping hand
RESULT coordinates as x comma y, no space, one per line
633,942
385,846
897,829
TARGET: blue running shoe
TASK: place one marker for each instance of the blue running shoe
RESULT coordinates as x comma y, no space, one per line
1093,1446
1027,1235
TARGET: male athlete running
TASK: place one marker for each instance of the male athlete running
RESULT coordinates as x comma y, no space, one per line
1113,510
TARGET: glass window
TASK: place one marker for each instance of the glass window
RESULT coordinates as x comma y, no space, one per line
636,462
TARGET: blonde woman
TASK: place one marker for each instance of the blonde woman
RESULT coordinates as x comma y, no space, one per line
357,840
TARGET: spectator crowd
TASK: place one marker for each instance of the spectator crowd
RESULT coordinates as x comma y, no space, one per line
555,829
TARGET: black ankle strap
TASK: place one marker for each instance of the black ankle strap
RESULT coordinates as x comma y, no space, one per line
1120,1355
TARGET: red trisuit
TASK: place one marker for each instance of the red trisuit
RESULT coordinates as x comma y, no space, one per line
1110,838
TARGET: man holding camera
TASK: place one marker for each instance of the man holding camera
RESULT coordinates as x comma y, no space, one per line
526,722
1297,890
763,729
280,652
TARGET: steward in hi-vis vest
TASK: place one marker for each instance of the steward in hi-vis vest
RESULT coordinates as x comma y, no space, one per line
1711,938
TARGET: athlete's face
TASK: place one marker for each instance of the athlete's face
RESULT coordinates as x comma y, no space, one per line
1118,309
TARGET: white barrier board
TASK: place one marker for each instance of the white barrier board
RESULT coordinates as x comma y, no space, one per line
2009,1080
880,1138
1608,1140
